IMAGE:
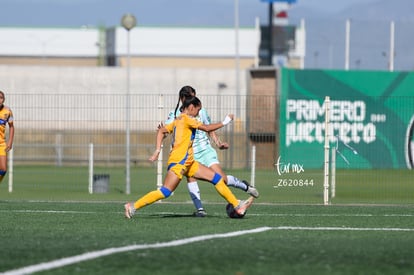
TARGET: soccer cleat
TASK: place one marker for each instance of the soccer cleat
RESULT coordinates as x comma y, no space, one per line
129,210
251,190
243,205
201,213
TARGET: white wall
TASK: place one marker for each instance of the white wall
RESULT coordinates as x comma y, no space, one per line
42,93
49,42
65,80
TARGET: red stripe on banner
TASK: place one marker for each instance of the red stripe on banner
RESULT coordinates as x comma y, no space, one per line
282,14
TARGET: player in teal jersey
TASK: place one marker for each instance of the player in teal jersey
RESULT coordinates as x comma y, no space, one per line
206,154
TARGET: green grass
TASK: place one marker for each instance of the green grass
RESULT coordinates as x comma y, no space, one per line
368,228
38,232
353,186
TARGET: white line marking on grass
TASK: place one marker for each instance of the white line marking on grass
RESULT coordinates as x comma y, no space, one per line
331,215
50,211
184,214
109,251
342,228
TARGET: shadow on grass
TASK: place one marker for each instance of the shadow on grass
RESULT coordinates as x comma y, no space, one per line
173,215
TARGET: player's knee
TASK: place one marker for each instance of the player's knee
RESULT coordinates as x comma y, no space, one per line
165,191
3,172
216,178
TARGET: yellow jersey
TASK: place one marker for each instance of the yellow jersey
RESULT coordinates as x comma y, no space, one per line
183,130
6,116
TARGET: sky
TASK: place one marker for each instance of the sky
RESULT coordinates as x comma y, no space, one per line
324,22
206,13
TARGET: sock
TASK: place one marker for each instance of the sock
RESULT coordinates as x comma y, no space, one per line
235,182
194,191
149,198
226,193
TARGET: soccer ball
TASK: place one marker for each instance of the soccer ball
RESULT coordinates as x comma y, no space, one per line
232,213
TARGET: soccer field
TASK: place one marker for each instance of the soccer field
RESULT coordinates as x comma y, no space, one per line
50,224
95,238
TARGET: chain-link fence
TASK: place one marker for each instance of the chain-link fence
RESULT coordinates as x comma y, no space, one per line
56,132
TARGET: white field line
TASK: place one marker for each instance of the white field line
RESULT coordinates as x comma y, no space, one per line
250,214
343,228
49,211
331,215
109,251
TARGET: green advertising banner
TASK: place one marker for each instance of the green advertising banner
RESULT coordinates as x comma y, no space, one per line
371,117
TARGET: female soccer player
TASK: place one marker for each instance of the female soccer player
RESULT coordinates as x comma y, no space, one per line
206,154
6,117
181,160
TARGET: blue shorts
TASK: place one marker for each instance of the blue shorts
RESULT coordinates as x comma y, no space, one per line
207,157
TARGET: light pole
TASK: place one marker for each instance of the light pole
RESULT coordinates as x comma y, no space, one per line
237,56
237,69
392,47
128,21
347,42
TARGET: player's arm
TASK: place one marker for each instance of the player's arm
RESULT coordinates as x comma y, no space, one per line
169,120
215,138
205,119
216,126
9,145
160,125
160,137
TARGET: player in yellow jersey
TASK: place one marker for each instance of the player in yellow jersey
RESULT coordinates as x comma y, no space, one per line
205,154
6,118
181,160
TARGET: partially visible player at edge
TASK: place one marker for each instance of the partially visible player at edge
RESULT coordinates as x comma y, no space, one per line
206,154
6,117
181,160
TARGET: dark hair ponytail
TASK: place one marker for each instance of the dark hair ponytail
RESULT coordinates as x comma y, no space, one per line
186,92
195,101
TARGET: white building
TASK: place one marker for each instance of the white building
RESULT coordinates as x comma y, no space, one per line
149,47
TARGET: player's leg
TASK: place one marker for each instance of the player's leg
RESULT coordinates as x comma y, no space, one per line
210,159
243,185
3,162
194,191
170,184
202,172
235,182
204,157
